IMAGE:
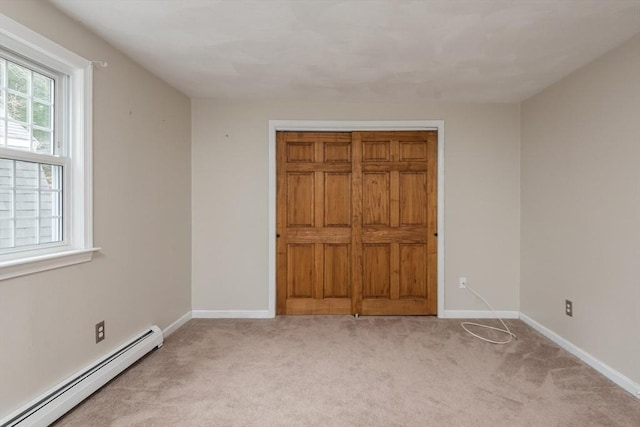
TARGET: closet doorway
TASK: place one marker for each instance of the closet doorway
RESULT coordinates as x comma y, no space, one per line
356,222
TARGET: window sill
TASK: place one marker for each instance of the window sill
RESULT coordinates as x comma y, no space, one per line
24,266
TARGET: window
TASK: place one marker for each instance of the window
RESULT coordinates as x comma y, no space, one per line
45,153
31,203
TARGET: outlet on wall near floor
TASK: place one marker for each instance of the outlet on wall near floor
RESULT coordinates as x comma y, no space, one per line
99,331
463,282
568,308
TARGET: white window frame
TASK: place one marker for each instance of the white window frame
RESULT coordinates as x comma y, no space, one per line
77,187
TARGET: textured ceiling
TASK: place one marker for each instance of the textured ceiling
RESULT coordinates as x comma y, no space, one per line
392,50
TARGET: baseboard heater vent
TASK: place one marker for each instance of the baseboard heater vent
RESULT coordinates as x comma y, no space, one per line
50,406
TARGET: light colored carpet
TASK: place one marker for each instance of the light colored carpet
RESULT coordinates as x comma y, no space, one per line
342,371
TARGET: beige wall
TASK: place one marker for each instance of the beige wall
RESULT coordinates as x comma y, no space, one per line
581,208
142,222
230,196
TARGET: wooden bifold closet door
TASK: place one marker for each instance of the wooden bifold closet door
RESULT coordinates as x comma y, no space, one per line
356,223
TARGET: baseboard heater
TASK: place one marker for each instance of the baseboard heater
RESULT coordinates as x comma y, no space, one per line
51,405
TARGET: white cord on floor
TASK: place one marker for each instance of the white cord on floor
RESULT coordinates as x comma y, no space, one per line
506,329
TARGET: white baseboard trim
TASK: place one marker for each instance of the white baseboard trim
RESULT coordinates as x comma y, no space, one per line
175,325
231,314
606,370
479,314
51,405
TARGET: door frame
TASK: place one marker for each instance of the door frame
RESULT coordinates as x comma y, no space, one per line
350,126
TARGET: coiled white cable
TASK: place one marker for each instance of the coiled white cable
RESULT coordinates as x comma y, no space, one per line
506,329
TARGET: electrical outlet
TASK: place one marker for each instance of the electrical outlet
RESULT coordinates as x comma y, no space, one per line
568,308
99,332
463,282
